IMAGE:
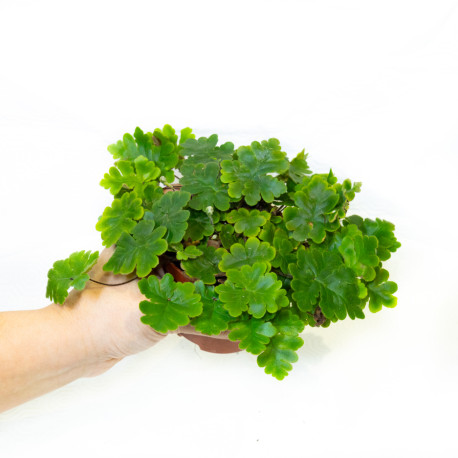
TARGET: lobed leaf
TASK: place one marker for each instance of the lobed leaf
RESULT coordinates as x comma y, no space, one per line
381,292
129,148
253,334
321,278
251,252
299,168
138,251
252,289
279,355
248,222
214,319
190,252
170,304
203,182
124,176
205,266
204,151
168,212
119,218
249,175
312,216
70,272
383,230
199,226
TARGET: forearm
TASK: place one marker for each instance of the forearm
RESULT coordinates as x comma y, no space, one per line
40,350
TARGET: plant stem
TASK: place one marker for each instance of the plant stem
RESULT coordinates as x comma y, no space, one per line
278,272
116,284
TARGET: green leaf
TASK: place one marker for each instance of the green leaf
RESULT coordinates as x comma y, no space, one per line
168,212
312,217
139,250
227,236
321,278
199,226
248,222
381,292
204,267
384,231
185,134
284,252
249,175
204,150
129,148
203,182
214,318
359,253
288,322
70,272
119,218
170,304
190,252
251,252
252,289
299,168
166,135
253,334
279,355
268,232
124,176
165,151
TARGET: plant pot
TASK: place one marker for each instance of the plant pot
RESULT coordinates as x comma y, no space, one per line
209,344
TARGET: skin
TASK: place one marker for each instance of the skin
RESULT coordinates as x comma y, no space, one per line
94,329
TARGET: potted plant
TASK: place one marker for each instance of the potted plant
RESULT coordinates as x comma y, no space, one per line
265,246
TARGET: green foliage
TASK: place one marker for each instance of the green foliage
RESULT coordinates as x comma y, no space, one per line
381,292
272,237
170,304
384,231
247,254
132,176
214,318
205,151
312,216
70,272
139,250
190,252
119,218
279,355
248,176
199,226
207,190
168,212
299,168
358,251
253,334
321,278
248,222
252,289
204,266
129,148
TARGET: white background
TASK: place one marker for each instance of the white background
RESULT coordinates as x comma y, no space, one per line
368,88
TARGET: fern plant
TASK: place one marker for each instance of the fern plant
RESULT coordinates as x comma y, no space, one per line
268,243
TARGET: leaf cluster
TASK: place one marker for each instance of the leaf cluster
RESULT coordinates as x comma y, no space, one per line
268,244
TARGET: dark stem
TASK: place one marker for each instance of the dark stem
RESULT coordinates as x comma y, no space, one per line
278,272
116,284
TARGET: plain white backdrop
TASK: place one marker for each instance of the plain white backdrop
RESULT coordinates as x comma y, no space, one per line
367,88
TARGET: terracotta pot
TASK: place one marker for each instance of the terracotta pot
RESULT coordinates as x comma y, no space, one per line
210,344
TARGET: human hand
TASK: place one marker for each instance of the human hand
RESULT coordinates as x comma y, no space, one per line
109,318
